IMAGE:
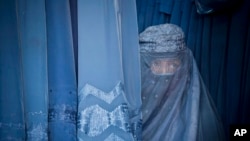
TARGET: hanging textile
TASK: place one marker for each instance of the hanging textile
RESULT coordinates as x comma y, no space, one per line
61,72
73,14
33,52
108,71
12,125
173,91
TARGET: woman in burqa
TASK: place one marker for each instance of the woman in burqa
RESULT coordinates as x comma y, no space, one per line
176,105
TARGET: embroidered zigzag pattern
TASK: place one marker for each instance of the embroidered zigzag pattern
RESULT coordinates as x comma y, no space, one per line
95,121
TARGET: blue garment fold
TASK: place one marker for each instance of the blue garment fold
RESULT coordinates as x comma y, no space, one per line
33,44
61,72
11,93
166,6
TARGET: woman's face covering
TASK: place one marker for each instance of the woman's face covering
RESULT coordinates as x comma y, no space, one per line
164,66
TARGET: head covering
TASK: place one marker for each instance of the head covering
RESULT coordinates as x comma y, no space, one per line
175,102
162,38
165,38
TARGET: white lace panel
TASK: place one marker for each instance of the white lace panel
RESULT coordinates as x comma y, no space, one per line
102,114
95,120
107,97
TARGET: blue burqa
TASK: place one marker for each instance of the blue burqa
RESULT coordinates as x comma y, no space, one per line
176,105
108,71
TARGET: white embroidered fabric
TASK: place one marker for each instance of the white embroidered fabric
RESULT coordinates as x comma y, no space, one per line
107,97
95,119
103,115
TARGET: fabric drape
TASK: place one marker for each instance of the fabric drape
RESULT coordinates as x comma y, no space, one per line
12,125
61,72
33,57
38,78
39,48
108,71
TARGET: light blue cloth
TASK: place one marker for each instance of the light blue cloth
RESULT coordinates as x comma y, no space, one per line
33,51
108,71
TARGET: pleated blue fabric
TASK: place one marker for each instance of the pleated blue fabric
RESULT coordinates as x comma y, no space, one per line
33,46
108,71
61,72
11,94
73,14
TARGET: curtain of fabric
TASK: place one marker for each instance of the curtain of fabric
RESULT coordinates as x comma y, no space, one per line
61,72
108,71
33,57
12,125
73,15
37,71
220,43
39,62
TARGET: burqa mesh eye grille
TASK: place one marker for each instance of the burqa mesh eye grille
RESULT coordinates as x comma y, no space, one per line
164,66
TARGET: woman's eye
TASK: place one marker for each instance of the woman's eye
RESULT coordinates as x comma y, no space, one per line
156,66
156,63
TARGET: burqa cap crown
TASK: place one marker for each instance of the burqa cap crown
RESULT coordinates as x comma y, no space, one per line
162,38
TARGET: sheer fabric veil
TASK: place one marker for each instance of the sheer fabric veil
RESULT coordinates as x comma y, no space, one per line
176,103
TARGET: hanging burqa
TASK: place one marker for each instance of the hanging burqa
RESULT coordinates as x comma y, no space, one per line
23,71
175,103
108,71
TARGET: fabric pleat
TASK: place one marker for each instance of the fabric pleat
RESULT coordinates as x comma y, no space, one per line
33,44
61,72
11,91
235,59
73,14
